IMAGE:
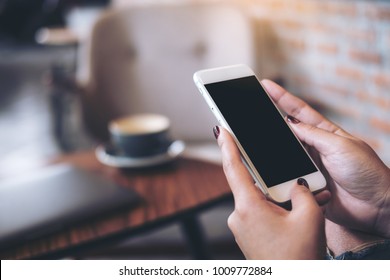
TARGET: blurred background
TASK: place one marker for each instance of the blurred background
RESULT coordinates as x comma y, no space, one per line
68,67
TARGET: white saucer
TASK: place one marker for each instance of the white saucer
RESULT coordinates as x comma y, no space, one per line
110,159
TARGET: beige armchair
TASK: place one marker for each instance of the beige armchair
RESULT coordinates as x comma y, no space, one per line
141,59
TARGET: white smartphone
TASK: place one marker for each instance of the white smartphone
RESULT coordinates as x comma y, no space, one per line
270,150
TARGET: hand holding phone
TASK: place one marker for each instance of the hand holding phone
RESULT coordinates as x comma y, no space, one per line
255,220
270,150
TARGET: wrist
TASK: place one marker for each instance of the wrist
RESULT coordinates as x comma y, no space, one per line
341,239
382,225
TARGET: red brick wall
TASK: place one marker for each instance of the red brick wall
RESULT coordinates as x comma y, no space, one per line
335,53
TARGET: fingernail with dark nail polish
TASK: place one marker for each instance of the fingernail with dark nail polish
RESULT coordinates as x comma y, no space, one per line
216,131
292,119
302,182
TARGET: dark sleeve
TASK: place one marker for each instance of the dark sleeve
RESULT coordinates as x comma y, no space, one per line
375,251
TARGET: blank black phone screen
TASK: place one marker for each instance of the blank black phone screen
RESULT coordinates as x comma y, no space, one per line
261,130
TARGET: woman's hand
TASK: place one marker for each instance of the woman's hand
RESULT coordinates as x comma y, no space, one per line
358,180
262,229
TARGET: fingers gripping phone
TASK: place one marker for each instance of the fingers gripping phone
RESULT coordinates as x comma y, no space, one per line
270,150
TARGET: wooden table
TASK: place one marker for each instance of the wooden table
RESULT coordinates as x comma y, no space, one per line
173,193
